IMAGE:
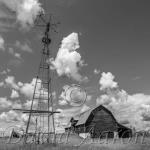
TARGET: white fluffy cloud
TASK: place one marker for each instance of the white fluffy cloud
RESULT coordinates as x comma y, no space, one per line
18,55
132,110
107,81
1,84
68,61
62,119
27,104
26,10
27,89
16,105
3,72
15,54
24,118
4,103
10,81
13,116
96,71
9,116
14,94
8,104
2,42
23,47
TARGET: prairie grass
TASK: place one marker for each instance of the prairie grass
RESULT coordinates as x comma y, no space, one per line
76,143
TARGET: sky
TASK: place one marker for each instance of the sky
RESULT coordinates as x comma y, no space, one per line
101,45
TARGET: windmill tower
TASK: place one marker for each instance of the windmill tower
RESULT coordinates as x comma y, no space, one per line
41,113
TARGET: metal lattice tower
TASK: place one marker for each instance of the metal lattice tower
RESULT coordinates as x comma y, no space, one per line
41,113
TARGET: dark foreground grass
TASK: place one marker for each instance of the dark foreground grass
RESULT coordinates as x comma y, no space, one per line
76,143
70,147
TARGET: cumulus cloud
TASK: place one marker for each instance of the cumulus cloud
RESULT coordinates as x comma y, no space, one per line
15,62
14,94
2,42
68,61
10,82
4,103
15,54
133,110
4,72
20,47
107,81
9,116
20,84
54,95
23,47
125,122
13,116
24,119
96,71
27,104
28,88
103,100
113,97
16,105
89,98
7,104
129,109
26,10
84,108
1,84
11,51
62,119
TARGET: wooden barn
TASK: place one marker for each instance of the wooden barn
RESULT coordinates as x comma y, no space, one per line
98,122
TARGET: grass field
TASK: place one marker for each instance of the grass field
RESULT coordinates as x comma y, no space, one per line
69,147
74,142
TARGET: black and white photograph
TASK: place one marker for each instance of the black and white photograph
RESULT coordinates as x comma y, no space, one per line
74,74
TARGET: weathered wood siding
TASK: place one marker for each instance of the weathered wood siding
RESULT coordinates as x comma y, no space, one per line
101,121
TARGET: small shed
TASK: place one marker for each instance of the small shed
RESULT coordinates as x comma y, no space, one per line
99,122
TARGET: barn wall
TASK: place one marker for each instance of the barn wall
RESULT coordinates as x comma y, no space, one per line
102,121
81,129
124,132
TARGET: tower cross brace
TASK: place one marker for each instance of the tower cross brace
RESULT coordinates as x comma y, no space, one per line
42,94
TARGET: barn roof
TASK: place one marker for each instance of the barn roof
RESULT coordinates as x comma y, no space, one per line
122,126
84,116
